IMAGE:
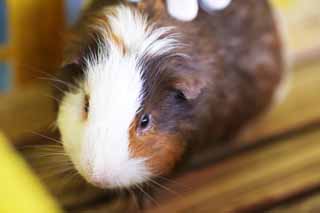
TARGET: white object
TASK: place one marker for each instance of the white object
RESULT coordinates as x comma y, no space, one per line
187,10
134,1
213,5
184,10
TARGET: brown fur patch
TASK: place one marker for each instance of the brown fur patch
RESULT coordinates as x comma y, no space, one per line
163,150
155,8
117,40
102,21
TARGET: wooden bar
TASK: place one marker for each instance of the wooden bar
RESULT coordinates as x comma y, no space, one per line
4,53
35,32
310,204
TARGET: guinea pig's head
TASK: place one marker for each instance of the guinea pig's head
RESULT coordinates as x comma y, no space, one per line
123,109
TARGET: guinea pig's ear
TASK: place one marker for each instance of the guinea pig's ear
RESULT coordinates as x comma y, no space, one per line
190,87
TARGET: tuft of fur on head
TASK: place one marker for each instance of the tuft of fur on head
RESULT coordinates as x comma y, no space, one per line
114,84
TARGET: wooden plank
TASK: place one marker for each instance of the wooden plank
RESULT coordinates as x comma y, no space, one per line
300,21
310,204
306,57
35,32
252,178
4,53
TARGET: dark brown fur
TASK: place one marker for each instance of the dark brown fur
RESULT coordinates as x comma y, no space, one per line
236,65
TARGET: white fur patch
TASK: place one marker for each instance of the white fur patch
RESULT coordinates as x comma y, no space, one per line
99,147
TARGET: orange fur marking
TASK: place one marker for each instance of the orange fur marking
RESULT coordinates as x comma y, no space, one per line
163,150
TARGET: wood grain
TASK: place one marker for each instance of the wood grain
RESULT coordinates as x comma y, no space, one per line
310,204
254,177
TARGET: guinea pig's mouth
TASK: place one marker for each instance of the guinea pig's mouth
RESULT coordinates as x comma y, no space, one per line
126,174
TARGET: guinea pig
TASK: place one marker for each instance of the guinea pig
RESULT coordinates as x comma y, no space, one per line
138,89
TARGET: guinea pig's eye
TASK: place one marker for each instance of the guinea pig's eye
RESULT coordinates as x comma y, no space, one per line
145,121
180,96
86,106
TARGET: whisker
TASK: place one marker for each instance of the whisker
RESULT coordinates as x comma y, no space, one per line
135,198
44,167
34,150
57,172
147,195
44,150
173,182
53,126
51,97
59,81
58,88
46,137
33,69
71,175
164,187
56,99
55,157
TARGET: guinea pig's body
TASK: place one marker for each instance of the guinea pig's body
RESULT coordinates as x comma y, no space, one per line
142,88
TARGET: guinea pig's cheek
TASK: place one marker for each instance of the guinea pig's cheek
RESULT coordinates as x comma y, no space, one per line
161,152
71,126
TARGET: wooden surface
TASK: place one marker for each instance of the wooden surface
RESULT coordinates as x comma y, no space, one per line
254,178
309,204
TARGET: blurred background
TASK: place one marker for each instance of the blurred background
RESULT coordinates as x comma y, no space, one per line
31,42
30,38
